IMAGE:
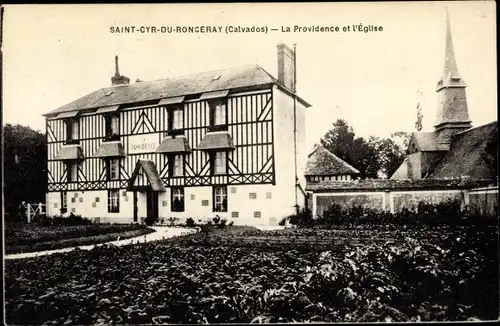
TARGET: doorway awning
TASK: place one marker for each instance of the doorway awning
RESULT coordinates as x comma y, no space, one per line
110,149
216,141
145,174
174,145
70,152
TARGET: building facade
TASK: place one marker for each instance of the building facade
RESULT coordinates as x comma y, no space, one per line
214,143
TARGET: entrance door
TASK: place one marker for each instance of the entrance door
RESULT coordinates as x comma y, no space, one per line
152,203
135,206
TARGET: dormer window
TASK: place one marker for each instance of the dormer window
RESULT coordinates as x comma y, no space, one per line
218,112
113,169
176,165
112,126
72,130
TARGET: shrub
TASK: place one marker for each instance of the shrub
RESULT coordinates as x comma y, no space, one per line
151,220
222,223
303,218
216,220
283,221
70,220
172,220
190,222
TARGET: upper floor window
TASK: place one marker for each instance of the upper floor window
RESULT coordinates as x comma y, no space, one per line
72,171
113,169
113,201
112,125
178,166
218,113
220,199
72,129
175,117
219,163
177,200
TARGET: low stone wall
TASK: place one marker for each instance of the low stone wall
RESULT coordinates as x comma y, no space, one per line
390,196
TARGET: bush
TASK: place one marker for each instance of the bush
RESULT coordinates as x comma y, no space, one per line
190,222
304,218
151,220
70,220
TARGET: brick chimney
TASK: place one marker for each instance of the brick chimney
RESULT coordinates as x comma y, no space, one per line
117,79
286,67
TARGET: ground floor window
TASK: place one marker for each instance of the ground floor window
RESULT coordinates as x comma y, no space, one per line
220,199
113,201
64,202
177,200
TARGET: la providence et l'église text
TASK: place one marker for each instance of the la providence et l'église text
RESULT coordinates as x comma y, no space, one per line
229,29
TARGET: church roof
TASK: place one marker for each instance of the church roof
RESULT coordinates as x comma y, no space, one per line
472,153
426,141
323,162
233,78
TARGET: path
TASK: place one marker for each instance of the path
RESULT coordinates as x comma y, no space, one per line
161,232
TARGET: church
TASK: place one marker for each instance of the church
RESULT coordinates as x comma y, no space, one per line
453,149
227,143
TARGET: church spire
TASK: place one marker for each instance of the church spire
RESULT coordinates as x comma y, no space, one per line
452,114
118,79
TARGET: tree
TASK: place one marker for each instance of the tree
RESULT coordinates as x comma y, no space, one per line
24,166
373,157
420,116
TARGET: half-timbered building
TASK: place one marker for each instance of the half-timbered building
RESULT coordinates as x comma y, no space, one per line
215,143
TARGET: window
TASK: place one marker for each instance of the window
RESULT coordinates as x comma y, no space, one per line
220,199
64,202
219,163
113,169
113,201
257,214
268,195
178,166
72,129
112,125
177,200
218,113
235,214
72,171
177,119
253,195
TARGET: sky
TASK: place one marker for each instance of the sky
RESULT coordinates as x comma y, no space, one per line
54,54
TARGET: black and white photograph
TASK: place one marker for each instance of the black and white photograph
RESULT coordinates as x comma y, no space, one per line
221,163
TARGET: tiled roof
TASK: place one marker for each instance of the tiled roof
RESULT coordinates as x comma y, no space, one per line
216,140
110,149
426,141
70,152
472,153
389,184
323,162
152,175
240,77
174,145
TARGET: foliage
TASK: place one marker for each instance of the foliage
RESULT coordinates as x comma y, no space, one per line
427,275
373,156
151,220
24,167
303,218
190,222
21,237
69,220
444,213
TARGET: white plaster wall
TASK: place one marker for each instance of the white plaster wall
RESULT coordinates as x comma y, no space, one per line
284,151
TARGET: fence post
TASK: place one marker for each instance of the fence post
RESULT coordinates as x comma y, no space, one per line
28,212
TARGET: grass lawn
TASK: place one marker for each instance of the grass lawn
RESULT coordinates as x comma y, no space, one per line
244,275
20,237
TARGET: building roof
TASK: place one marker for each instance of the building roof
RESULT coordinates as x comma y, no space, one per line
151,173
216,141
389,184
426,141
323,162
110,149
174,145
472,153
70,152
226,79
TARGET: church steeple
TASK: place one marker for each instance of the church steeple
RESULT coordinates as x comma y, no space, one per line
117,79
452,114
